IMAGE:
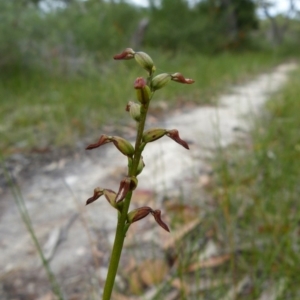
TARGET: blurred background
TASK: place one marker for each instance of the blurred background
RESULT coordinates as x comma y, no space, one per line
60,89
56,56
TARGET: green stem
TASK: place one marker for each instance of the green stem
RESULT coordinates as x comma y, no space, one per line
120,231
117,250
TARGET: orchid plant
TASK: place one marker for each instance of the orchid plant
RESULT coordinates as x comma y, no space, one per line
120,200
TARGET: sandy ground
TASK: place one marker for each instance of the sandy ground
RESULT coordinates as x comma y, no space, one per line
77,238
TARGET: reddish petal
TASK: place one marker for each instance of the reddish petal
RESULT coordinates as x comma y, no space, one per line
178,77
174,135
97,193
128,53
157,216
139,213
140,83
124,188
104,139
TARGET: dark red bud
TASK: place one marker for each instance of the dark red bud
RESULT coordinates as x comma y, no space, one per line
157,216
140,83
178,77
174,135
128,53
143,91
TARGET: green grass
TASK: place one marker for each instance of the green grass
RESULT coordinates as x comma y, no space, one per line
39,110
257,198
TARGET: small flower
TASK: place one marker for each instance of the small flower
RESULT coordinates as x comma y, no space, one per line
174,135
145,61
142,212
153,134
134,110
178,77
157,216
98,192
143,92
123,145
160,81
126,185
104,139
128,53
138,214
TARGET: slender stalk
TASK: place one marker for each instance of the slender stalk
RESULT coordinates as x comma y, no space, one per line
121,231
28,223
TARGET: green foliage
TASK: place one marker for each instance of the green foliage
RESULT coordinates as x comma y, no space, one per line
204,27
20,26
97,26
39,39
42,110
260,188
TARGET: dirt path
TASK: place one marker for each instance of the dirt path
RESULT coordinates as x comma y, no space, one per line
55,195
